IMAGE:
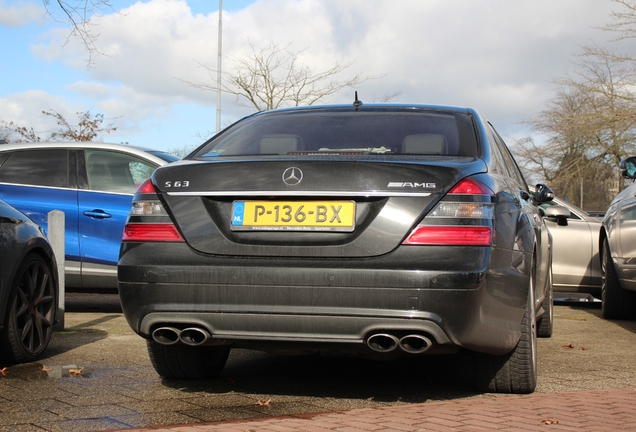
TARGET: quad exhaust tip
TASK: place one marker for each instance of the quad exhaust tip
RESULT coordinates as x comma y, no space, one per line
386,342
383,342
166,335
192,336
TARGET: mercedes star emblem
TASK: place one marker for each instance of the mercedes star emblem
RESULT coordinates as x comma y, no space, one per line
292,176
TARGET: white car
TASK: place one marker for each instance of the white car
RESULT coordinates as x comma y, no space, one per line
576,266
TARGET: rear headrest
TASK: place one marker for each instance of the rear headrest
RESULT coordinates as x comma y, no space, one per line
432,144
280,144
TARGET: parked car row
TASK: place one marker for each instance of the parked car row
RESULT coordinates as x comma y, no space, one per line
597,255
376,230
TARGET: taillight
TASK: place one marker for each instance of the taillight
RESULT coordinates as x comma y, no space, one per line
148,220
146,187
146,232
469,186
450,235
464,217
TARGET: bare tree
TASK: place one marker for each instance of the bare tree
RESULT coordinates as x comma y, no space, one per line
273,77
24,134
623,20
5,133
79,14
590,124
88,128
588,127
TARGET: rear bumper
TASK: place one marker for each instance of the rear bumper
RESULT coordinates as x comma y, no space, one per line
325,303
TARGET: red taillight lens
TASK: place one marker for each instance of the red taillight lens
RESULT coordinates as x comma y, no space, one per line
146,187
469,186
450,235
151,233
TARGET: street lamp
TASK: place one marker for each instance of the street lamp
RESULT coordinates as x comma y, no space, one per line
218,72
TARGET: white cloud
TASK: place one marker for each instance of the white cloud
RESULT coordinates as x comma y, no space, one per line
25,109
496,55
21,13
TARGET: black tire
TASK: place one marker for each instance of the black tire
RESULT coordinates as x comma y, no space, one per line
515,372
618,303
32,309
545,325
187,362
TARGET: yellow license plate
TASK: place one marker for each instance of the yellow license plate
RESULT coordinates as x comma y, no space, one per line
293,215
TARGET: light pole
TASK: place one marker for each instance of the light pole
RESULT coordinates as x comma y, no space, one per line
218,72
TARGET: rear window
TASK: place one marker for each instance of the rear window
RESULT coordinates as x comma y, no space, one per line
364,132
44,167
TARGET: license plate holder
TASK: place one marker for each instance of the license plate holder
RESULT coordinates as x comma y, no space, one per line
335,216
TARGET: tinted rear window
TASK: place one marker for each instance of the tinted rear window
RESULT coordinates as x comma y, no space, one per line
310,132
45,167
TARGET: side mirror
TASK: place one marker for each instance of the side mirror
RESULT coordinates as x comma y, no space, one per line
628,167
542,193
558,213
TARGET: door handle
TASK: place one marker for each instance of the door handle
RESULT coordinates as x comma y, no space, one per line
99,214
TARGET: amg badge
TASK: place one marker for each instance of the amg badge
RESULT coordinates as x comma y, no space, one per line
411,185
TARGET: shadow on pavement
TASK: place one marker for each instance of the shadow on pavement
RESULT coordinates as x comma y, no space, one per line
595,309
92,302
406,379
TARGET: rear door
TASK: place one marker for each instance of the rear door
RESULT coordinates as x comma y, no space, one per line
38,181
108,180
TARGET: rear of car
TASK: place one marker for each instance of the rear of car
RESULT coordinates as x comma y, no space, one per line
374,230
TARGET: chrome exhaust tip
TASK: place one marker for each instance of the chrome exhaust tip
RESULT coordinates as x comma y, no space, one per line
382,342
194,336
166,335
415,343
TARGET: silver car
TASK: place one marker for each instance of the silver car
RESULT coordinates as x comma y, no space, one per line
617,241
576,266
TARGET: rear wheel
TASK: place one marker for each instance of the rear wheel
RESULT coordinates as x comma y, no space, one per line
187,362
31,316
515,372
545,325
618,303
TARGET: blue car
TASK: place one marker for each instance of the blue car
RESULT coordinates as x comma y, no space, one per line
93,184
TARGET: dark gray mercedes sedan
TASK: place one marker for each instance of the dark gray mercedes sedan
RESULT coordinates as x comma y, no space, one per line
370,230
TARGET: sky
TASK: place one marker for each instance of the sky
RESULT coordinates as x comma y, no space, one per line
498,56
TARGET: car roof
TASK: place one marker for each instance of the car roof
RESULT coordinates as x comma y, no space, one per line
144,152
374,106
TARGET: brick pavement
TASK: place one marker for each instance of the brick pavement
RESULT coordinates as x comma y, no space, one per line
595,410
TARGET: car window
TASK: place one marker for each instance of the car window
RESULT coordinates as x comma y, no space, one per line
497,164
165,156
368,132
110,171
39,167
514,170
